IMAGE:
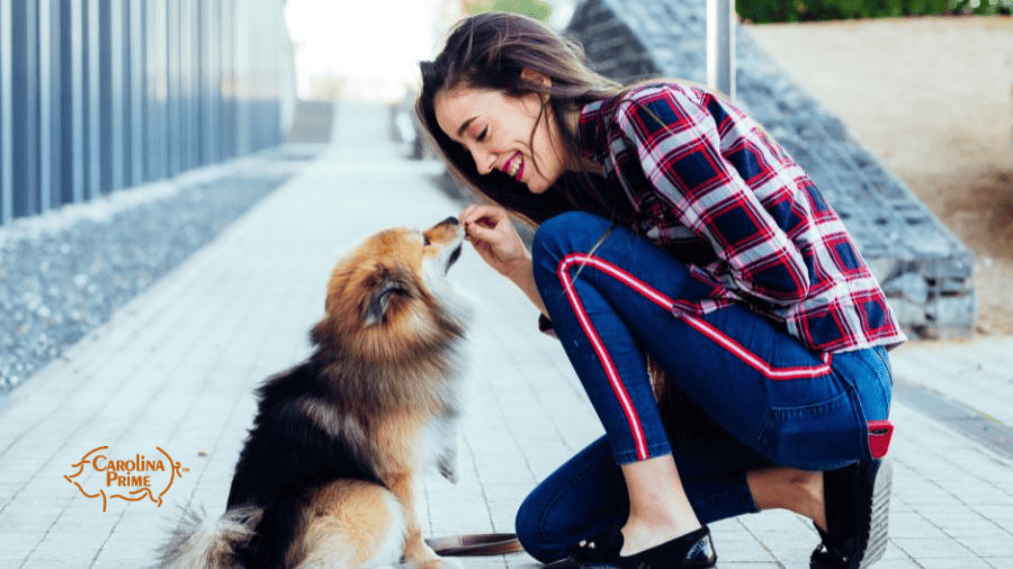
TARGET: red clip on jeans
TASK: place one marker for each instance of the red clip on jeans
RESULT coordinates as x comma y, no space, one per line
766,399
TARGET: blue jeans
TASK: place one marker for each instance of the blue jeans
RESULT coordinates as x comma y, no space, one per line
764,398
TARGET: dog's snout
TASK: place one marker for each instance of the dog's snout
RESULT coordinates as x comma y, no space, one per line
450,221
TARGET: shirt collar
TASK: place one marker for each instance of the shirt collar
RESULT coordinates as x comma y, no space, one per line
592,133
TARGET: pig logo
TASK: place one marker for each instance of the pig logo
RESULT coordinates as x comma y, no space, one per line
132,479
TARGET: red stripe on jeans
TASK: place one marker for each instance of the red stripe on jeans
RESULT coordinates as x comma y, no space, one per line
632,418
700,325
754,361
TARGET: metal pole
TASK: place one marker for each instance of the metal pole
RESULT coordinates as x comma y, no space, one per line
137,82
6,122
158,89
721,46
117,52
77,80
51,112
30,122
174,96
242,65
95,119
187,73
46,107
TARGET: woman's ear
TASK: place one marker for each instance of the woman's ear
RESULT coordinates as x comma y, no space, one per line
535,77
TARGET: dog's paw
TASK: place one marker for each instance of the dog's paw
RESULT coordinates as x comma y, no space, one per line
449,470
447,461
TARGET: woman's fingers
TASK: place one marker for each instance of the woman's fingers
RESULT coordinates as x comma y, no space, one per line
485,223
492,233
467,213
481,232
489,216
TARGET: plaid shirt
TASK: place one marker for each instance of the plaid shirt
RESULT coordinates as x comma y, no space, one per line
707,183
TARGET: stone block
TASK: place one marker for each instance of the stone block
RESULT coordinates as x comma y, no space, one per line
911,287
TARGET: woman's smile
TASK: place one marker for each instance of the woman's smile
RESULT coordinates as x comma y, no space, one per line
514,166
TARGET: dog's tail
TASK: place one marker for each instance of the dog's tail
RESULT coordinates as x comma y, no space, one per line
197,543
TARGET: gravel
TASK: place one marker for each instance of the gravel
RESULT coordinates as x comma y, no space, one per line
66,273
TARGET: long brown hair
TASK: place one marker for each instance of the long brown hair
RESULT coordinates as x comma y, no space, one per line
489,51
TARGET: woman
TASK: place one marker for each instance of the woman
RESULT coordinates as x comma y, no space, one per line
671,228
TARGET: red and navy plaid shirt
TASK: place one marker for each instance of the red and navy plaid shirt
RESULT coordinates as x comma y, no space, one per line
709,185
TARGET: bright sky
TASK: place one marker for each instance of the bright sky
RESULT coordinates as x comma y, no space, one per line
373,41
377,43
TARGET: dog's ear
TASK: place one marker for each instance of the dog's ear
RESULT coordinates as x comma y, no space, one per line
389,286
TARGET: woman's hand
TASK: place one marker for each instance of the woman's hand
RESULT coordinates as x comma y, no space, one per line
492,233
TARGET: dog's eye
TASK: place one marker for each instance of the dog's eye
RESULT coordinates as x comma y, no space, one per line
425,240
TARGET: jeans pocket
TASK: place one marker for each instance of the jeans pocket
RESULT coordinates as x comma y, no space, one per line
819,436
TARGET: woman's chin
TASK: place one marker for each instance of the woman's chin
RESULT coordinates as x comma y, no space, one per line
536,186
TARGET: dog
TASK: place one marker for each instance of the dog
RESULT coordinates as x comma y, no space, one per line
327,476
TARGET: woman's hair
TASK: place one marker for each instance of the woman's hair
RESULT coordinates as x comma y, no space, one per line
489,51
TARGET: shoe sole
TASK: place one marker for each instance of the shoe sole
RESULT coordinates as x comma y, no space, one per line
879,521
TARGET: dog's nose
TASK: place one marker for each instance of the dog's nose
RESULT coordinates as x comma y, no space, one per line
450,221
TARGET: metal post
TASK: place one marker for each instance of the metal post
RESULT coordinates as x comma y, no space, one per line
173,100
117,51
46,96
6,122
94,186
242,68
721,46
25,109
49,104
138,57
229,78
158,89
166,85
77,84
184,29
212,74
30,122
152,68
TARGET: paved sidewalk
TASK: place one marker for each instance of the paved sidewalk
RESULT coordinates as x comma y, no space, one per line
174,370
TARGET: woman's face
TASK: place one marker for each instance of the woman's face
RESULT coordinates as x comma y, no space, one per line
496,129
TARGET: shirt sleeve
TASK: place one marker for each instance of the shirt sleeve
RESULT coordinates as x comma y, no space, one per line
679,145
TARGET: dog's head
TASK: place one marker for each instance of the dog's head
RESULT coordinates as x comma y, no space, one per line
389,298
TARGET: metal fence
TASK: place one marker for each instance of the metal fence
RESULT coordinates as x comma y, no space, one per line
100,95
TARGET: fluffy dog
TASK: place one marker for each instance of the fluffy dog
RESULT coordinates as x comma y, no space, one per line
328,472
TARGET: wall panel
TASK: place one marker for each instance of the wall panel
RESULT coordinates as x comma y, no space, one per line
97,96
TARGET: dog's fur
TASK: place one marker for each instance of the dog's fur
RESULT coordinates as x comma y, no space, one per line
328,473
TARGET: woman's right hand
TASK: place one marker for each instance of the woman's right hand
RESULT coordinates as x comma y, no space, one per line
491,231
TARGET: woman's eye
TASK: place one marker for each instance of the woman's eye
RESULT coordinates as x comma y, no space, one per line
481,136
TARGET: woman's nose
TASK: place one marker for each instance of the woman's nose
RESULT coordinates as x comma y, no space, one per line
484,161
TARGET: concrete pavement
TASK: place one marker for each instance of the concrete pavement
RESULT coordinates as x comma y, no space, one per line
170,377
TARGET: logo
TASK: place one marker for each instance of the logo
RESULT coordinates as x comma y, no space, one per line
131,478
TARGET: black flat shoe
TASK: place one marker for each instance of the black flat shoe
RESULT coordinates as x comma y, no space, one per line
691,551
857,504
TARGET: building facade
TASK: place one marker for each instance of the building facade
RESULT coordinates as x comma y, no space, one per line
101,95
